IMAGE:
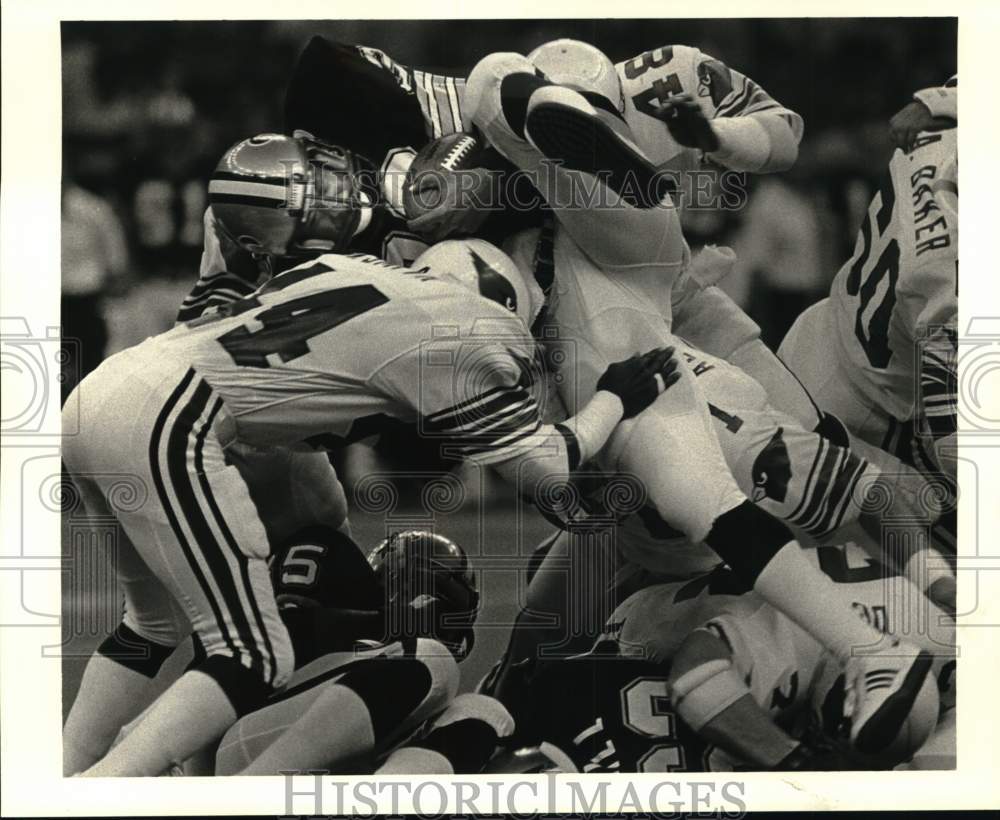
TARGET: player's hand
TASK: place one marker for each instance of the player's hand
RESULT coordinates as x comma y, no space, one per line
914,117
639,380
687,123
441,205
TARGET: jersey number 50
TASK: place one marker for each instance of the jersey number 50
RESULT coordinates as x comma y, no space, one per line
865,278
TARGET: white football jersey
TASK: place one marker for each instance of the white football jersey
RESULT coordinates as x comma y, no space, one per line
647,79
784,667
901,283
650,78
326,350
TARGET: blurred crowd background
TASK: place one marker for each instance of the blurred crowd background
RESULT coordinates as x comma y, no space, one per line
148,108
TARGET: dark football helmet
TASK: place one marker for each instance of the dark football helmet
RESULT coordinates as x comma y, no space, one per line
287,199
428,588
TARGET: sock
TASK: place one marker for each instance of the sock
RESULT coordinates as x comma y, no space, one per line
192,713
110,695
807,596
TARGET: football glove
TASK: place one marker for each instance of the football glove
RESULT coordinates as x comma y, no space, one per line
639,380
687,123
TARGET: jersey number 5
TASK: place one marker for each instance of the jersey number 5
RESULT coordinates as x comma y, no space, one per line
866,277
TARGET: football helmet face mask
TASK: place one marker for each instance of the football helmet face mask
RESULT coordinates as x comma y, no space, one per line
287,199
581,66
428,588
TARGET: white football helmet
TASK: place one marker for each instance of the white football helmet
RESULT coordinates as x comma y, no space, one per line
484,268
581,66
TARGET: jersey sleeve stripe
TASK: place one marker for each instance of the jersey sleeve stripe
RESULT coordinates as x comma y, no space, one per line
820,451
442,98
218,282
815,507
446,417
500,447
456,103
428,101
494,420
735,104
228,294
502,417
840,494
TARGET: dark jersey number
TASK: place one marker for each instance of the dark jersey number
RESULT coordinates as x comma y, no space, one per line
638,66
732,423
660,91
288,327
874,338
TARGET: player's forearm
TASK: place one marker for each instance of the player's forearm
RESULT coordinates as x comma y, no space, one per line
747,732
560,448
714,700
940,102
763,143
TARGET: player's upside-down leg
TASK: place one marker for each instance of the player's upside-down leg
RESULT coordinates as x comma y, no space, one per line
671,446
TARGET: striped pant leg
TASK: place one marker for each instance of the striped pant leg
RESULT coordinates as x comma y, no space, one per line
201,535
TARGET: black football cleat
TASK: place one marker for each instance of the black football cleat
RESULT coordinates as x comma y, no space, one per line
563,125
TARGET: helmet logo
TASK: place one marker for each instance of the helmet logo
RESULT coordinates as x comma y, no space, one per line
493,284
772,470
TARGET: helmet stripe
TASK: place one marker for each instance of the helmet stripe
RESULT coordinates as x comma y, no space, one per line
236,199
252,189
251,177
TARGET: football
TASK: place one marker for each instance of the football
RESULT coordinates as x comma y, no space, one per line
426,180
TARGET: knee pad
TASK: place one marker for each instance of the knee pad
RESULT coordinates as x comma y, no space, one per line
702,693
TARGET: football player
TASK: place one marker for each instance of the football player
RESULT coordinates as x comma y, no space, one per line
380,648
682,106
703,675
879,352
314,357
615,267
815,486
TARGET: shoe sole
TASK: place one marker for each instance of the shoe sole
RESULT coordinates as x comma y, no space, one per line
578,139
883,726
